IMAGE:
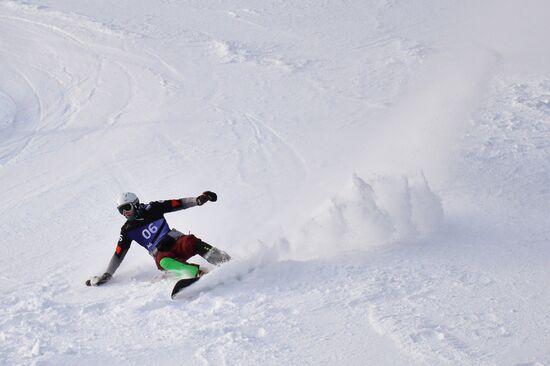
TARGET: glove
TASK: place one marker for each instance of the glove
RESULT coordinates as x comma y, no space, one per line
216,256
205,197
99,280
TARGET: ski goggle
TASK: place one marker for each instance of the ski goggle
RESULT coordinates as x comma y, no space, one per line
126,207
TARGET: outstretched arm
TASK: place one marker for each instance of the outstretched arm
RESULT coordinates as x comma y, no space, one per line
117,258
183,203
180,204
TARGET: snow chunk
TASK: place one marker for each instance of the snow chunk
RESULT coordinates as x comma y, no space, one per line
266,55
35,351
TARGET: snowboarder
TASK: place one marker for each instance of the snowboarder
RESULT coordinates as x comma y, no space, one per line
145,224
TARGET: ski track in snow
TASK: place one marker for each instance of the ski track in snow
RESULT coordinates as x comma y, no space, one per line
275,106
108,66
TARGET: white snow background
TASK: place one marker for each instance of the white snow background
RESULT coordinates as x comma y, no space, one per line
382,169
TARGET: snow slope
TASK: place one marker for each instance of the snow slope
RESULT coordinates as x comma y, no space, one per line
382,168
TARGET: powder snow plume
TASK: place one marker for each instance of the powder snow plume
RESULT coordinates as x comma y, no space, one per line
367,214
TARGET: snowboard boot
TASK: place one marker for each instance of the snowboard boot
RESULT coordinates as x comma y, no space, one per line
212,254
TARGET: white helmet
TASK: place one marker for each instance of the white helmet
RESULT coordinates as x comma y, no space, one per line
127,204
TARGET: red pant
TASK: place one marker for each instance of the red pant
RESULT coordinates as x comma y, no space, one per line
183,249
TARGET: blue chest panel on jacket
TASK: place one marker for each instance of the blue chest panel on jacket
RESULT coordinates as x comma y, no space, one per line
150,235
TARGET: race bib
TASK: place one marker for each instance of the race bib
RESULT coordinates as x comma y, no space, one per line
150,235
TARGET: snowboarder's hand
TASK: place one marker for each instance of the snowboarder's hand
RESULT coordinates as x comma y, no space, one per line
99,280
205,197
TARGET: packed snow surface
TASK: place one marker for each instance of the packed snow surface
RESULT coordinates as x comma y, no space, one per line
382,168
